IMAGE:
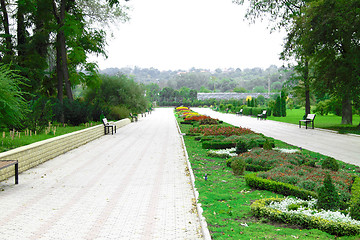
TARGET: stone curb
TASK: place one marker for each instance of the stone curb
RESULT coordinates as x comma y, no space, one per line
203,223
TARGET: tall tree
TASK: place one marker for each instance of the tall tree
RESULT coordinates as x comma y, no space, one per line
332,29
282,14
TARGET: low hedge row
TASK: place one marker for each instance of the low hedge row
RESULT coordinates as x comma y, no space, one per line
282,188
259,209
256,168
355,199
217,145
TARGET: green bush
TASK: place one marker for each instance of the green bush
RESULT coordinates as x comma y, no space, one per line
118,112
282,188
238,165
256,111
228,162
76,112
328,198
256,168
247,111
40,115
259,209
355,210
330,163
217,145
241,146
355,199
267,145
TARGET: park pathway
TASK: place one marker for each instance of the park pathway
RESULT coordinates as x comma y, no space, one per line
343,147
130,185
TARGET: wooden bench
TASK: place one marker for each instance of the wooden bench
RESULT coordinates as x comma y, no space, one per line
9,163
133,117
108,125
262,115
309,119
240,112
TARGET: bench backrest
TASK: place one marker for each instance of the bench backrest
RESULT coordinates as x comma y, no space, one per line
264,112
311,116
105,121
241,110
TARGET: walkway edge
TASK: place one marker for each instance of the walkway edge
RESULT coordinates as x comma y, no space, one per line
204,228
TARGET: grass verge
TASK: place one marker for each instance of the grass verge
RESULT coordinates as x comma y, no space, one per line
21,139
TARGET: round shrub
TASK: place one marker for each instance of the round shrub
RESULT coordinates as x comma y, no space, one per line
241,146
267,145
328,198
238,165
330,163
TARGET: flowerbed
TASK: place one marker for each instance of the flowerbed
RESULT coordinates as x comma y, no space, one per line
220,130
221,194
310,178
277,209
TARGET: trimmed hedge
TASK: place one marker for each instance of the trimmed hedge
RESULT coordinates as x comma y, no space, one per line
282,188
217,145
259,209
355,200
256,168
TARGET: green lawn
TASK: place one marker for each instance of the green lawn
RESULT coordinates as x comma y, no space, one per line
330,121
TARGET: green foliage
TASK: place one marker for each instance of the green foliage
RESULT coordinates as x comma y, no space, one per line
118,112
260,209
330,163
217,145
76,112
12,103
241,146
121,91
282,188
238,165
328,197
355,199
40,115
267,145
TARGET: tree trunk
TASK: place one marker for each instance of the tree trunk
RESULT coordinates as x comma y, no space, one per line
21,36
60,80
8,53
61,57
307,88
346,110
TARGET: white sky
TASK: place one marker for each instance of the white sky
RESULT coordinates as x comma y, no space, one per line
180,34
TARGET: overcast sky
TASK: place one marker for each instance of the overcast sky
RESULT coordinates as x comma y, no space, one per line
180,34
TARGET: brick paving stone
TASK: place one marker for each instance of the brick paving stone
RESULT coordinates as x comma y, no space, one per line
130,185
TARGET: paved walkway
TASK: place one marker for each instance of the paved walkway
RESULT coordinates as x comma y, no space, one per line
130,185
340,146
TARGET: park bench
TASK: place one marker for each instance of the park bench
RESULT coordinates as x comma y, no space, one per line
262,115
108,125
309,119
9,163
240,112
133,117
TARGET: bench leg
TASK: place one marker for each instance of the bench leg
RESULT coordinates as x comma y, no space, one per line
16,173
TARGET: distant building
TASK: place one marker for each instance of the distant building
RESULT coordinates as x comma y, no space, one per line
232,95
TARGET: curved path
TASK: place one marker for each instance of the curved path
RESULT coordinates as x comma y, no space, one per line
130,185
344,147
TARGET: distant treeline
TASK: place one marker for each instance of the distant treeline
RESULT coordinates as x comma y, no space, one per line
203,80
